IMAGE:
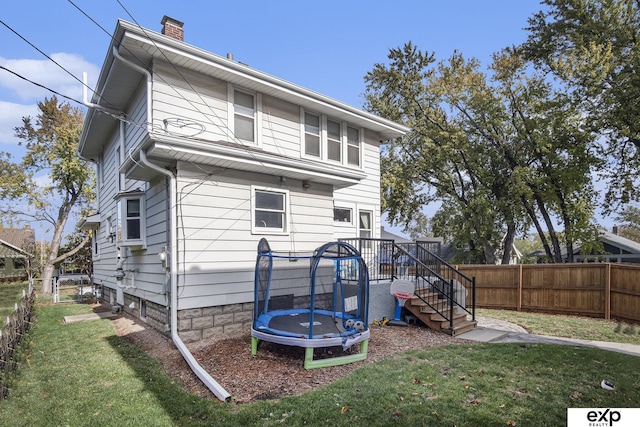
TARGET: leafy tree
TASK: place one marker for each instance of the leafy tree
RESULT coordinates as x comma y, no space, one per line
593,47
629,223
83,258
499,156
51,141
418,228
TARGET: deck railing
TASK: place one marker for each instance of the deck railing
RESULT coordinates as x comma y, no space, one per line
419,263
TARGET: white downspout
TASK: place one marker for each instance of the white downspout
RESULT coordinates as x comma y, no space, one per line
216,388
204,376
85,98
147,73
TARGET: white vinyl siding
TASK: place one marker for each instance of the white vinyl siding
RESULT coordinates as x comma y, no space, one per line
200,103
215,235
280,127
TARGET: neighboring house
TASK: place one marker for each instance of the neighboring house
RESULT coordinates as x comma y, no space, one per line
199,156
616,249
15,247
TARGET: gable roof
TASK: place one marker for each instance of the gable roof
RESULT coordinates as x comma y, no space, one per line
18,238
142,47
620,242
14,240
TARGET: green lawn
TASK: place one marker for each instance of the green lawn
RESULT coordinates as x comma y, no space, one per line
9,295
82,374
586,328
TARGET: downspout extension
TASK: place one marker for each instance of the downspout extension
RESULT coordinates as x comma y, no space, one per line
204,376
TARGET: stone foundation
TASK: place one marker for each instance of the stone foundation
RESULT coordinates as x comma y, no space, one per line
202,323
194,324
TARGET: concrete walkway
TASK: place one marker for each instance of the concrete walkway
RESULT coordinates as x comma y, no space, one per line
499,331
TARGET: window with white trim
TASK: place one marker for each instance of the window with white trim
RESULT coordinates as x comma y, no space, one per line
330,139
131,223
366,224
353,146
269,210
343,215
334,140
244,111
311,135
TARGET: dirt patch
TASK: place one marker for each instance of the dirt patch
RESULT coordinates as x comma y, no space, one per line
276,370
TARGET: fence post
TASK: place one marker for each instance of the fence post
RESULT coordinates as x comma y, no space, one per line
607,291
519,300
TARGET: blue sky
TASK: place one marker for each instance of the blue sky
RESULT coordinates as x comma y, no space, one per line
325,46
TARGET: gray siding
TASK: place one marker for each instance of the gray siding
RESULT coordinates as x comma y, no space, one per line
219,249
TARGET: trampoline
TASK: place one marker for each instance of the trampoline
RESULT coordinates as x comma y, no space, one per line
312,301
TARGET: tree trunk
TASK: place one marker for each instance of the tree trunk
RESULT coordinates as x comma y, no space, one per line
557,253
47,278
508,243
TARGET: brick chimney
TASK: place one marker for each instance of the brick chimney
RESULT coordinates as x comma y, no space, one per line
172,28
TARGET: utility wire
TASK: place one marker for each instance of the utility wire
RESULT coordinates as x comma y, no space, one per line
40,85
49,58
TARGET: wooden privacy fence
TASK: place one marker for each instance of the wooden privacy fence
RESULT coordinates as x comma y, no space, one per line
597,289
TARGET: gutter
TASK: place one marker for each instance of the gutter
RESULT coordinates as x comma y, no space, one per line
204,376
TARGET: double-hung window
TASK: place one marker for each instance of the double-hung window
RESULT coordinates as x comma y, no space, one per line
334,140
353,146
311,135
244,116
366,225
331,140
131,224
270,210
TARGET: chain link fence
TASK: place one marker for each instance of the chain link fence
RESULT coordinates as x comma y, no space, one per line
74,288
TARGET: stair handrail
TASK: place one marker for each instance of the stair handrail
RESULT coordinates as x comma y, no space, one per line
436,275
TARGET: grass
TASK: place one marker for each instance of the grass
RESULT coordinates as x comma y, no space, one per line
585,328
9,295
83,374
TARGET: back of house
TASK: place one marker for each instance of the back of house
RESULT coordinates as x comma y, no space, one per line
198,157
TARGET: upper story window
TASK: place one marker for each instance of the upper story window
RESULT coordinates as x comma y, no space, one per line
329,139
270,211
334,140
353,146
131,224
311,135
244,116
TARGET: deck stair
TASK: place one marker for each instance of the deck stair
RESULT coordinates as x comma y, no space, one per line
444,298
428,306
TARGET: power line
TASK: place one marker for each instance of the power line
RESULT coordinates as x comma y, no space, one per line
49,58
40,85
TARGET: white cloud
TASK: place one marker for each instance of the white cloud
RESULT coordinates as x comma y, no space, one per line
48,74
11,115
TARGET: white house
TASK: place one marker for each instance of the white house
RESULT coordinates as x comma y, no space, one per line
198,156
